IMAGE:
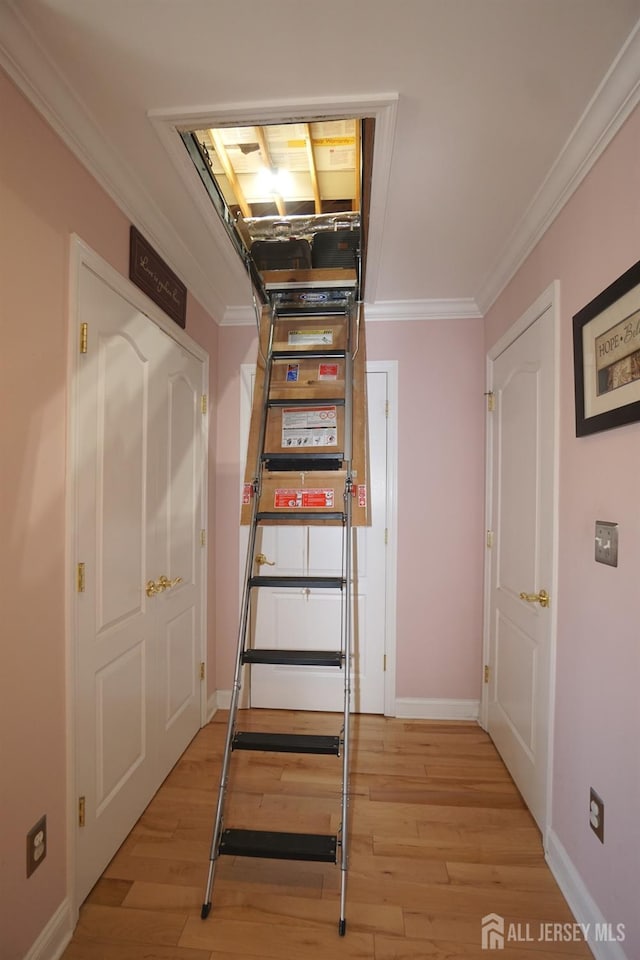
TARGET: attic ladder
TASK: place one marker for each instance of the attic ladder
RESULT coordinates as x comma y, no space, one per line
306,455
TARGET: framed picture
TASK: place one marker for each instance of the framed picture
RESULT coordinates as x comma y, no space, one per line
606,353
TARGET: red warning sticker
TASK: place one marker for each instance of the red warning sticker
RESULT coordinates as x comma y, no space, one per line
362,494
328,371
247,493
301,499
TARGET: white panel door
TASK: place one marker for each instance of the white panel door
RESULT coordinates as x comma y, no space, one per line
138,502
311,618
179,610
522,558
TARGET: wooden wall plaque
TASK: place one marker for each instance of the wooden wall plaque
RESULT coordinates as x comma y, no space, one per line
149,272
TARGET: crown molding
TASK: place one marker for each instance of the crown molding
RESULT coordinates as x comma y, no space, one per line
388,310
41,81
399,310
614,100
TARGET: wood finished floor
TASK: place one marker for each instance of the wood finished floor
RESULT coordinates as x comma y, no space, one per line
440,838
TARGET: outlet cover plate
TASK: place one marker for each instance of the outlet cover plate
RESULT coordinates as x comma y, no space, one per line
606,542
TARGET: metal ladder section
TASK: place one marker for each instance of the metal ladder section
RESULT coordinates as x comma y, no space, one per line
303,305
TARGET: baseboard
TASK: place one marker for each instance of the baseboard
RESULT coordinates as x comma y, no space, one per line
417,708
582,904
55,937
212,705
407,708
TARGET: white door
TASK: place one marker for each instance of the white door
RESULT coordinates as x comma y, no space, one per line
138,502
310,618
522,558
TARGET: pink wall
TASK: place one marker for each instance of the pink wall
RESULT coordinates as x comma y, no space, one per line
597,722
45,195
440,500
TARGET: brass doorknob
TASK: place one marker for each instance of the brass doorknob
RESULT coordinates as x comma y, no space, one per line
261,559
161,584
166,584
542,598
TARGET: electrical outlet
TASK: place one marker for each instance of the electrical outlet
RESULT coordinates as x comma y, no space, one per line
596,815
606,543
36,845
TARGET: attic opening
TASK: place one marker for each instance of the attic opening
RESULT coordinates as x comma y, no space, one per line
292,196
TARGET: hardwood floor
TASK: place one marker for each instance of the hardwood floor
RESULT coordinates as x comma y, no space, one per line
440,839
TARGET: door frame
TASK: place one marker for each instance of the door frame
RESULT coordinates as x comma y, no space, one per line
549,299
390,367
81,255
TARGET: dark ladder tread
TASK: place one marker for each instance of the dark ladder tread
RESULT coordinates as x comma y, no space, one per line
325,583
279,846
308,402
299,516
302,462
316,353
300,658
287,742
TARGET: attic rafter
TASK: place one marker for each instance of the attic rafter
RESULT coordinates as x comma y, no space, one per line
264,150
230,173
313,172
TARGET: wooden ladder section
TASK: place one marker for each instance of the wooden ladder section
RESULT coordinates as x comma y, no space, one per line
306,465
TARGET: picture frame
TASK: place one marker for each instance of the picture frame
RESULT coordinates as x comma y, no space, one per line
606,354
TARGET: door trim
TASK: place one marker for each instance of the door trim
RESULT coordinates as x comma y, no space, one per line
81,255
549,299
390,367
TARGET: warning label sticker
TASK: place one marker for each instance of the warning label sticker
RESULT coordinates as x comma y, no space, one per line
293,370
309,427
310,337
296,499
328,371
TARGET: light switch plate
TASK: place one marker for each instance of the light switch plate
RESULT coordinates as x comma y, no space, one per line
606,543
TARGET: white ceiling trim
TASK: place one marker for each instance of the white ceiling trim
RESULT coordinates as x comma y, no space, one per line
464,309
394,310
381,106
614,100
40,80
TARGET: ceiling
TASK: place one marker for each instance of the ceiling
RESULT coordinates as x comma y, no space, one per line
488,114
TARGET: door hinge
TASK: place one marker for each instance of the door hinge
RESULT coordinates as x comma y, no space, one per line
486,673
386,536
203,538
490,538
491,400
386,409
80,578
84,337
81,811
203,403
384,663
202,670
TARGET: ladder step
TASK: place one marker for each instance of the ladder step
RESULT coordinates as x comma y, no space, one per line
306,402
287,742
279,846
294,658
302,462
322,583
325,353
299,516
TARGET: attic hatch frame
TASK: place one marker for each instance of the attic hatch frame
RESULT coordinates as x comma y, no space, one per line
201,158
171,125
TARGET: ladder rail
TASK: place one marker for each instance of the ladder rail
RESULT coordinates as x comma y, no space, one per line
346,749
233,708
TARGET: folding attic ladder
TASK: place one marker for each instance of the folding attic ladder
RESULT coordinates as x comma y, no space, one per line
310,326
